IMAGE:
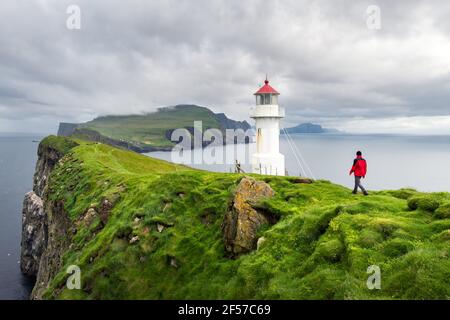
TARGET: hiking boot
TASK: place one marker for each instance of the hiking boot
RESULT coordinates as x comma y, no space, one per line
366,193
354,192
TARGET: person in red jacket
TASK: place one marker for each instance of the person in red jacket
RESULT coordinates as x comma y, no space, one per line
359,168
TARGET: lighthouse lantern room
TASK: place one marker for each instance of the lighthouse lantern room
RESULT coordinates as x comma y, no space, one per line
267,114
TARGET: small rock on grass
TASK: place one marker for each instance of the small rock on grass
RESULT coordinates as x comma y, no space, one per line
260,242
134,239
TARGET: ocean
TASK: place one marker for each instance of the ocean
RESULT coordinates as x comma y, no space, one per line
394,161
17,161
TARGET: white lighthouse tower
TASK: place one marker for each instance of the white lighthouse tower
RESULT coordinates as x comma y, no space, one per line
267,115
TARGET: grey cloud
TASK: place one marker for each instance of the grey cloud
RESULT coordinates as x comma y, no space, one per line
135,56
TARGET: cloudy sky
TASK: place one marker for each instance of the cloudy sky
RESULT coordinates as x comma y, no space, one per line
134,56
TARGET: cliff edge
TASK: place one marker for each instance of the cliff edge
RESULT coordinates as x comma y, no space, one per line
44,223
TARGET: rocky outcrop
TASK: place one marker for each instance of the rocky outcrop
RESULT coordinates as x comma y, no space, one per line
242,221
34,233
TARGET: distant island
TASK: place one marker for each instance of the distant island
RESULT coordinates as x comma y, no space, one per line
309,128
151,131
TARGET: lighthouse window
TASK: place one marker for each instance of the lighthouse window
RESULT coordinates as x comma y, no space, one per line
260,99
267,99
274,99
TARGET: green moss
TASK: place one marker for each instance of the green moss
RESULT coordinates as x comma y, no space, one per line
397,247
420,274
319,249
443,212
331,250
404,193
424,202
369,238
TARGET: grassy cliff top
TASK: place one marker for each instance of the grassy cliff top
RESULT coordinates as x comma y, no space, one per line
163,240
150,129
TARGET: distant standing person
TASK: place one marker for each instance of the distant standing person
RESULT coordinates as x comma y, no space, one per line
359,168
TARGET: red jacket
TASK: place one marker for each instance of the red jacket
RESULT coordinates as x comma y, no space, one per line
359,167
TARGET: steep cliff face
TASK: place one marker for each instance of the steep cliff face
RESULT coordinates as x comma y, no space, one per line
34,233
228,123
44,223
67,129
57,240
48,157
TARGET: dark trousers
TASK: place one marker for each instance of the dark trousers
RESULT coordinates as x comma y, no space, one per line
358,184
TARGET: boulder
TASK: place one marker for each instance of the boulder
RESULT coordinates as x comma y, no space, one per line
242,221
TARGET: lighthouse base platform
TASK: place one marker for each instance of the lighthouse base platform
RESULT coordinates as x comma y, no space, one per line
270,164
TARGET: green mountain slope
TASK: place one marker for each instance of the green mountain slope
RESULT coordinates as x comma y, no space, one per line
150,131
160,235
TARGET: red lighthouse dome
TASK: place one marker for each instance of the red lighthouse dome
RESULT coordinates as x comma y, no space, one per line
266,88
